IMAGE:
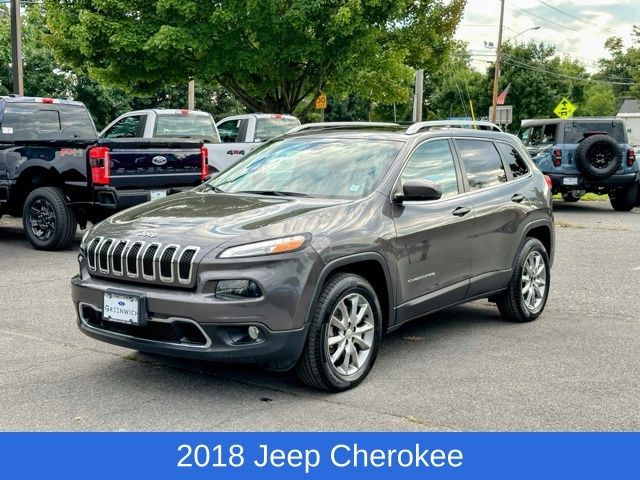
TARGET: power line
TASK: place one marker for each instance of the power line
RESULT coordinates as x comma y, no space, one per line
544,19
582,20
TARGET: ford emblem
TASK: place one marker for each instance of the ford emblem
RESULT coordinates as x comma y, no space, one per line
159,160
121,303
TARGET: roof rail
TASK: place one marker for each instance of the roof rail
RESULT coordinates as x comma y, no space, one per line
476,124
330,125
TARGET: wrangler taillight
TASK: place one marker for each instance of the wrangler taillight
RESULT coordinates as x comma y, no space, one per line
100,162
204,157
557,158
631,157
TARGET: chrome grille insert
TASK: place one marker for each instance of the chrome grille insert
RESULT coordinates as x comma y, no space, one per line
138,260
185,264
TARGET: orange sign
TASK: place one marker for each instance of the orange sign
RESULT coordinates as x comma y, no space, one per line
321,102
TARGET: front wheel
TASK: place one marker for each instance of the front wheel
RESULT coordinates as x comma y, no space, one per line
525,298
625,199
344,335
49,223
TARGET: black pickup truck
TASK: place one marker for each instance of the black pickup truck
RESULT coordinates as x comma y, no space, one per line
56,174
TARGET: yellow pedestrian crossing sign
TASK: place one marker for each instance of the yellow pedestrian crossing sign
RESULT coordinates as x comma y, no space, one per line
565,109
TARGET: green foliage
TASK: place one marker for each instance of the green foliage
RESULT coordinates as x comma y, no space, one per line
600,100
623,67
273,55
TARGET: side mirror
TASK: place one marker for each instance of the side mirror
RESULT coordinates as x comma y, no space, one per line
419,190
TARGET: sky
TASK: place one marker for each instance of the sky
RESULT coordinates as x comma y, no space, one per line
582,38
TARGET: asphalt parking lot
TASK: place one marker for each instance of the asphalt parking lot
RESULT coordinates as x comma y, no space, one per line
576,368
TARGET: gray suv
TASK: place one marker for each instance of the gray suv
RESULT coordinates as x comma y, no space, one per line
307,251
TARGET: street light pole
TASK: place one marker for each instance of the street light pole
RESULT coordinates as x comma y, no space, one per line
496,73
16,48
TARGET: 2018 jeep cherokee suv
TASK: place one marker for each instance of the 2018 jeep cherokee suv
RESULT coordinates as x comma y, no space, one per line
303,254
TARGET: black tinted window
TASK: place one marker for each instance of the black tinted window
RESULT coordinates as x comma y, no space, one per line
482,162
513,158
575,132
433,161
229,130
127,127
47,121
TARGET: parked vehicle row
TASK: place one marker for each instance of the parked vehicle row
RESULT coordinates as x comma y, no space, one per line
56,173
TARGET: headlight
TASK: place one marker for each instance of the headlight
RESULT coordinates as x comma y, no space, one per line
267,247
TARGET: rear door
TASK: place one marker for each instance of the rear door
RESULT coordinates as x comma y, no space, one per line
434,239
500,207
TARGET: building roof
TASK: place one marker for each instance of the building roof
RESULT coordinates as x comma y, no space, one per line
630,108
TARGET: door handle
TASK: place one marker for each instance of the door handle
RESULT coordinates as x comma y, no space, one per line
461,211
517,198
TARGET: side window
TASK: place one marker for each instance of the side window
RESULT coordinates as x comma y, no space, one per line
549,133
433,161
513,158
128,127
229,131
482,162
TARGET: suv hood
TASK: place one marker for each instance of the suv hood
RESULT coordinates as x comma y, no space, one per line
205,220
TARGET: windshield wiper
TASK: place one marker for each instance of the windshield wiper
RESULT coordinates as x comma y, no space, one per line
208,186
275,193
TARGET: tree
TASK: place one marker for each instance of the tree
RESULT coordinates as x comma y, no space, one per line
273,55
600,100
622,69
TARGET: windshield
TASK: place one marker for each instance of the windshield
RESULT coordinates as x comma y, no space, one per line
575,132
268,128
319,167
46,121
186,125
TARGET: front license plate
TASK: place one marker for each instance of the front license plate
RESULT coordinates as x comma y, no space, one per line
155,194
570,181
122,308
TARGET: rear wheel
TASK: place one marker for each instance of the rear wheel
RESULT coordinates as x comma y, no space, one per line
528,290
49,223
624,200
344,335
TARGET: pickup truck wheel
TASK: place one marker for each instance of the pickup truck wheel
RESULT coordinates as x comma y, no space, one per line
344,335
525,298
624,200
49,223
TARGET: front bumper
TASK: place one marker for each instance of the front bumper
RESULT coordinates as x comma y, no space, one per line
612,182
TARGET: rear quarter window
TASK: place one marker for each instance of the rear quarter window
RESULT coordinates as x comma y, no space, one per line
513,159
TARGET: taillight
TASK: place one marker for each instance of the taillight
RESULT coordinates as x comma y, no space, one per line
46,100
547,179
204,156
100,162
631,157
557,158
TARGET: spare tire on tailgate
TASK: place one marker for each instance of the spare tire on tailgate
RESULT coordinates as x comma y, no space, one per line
598,156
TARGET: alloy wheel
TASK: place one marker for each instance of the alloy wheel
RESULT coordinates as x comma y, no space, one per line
534,282
42,218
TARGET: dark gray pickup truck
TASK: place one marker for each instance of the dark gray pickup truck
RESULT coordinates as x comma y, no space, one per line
56,174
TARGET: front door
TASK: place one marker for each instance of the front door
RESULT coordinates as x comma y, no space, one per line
433,238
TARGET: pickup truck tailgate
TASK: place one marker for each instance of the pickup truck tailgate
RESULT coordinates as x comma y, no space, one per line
154,163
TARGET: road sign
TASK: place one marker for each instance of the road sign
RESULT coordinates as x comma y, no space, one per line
504,114
321,102
564,109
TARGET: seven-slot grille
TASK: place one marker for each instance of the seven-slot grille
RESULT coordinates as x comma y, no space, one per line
152,261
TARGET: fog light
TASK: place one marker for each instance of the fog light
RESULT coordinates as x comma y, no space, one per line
254,332
238,288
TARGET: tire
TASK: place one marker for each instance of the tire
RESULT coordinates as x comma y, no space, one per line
49,223
315,366
598,157
624,199
512,303
570,197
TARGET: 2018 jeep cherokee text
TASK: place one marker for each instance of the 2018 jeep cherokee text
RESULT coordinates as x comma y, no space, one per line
304,253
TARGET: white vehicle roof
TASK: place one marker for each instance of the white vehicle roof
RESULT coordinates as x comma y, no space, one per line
322,125
256,115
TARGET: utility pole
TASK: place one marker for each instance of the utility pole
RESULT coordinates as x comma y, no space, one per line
16,48
418,96
191,97
496,73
